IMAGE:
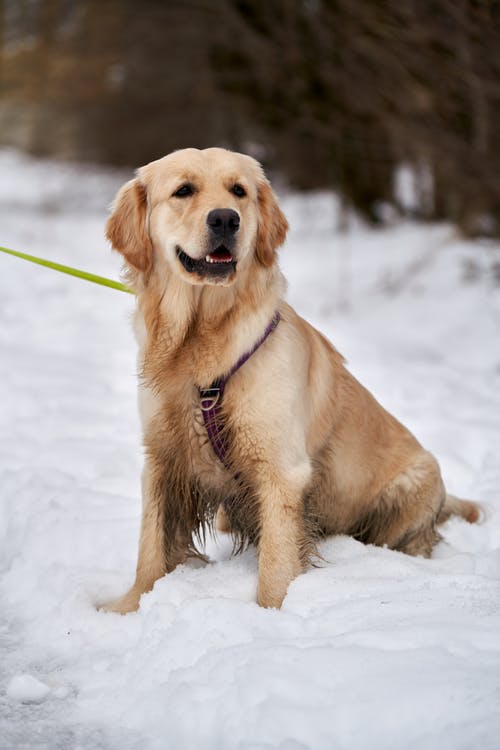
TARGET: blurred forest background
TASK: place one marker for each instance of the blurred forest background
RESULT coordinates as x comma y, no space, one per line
326,93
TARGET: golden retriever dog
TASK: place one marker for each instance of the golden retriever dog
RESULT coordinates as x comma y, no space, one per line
307,450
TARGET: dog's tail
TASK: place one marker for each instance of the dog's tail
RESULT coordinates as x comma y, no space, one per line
453,506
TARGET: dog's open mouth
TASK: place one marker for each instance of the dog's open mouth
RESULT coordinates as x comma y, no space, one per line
219,262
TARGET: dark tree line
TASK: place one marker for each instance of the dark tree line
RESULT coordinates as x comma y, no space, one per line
327,92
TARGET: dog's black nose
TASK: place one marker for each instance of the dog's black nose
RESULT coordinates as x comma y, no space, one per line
224,222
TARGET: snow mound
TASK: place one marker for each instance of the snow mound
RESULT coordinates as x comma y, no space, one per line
25,688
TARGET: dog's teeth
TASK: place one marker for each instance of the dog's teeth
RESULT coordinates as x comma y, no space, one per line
209,259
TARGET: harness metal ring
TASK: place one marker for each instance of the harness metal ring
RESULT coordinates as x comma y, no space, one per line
209,398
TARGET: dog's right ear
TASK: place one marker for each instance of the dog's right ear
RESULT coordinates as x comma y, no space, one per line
126,227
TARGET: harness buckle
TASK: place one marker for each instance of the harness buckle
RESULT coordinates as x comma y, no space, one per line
209,398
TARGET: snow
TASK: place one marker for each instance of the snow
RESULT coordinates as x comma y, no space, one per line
373,649
27,689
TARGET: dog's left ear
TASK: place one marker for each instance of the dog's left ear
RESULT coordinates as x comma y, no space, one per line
273,226
126,228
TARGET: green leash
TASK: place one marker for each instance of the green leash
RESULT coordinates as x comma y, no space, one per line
70,271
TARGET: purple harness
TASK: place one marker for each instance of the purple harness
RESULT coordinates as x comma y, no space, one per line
211,398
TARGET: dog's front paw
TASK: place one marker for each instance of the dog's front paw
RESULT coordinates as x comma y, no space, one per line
269,598
127,603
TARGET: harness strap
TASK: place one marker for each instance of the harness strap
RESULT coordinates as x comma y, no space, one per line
211,398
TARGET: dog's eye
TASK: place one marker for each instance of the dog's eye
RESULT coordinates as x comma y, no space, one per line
184,191
238,191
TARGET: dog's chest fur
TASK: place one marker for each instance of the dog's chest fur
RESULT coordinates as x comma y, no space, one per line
176,417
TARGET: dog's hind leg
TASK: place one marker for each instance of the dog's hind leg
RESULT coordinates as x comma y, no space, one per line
222,522
453,506
404,515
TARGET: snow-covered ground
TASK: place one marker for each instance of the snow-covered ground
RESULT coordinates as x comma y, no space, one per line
372,650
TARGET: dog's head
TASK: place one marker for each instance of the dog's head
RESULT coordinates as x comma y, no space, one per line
208,214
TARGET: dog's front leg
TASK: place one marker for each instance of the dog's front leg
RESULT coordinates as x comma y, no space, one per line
283,539
152,561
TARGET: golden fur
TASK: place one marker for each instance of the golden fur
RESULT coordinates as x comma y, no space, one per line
311,451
